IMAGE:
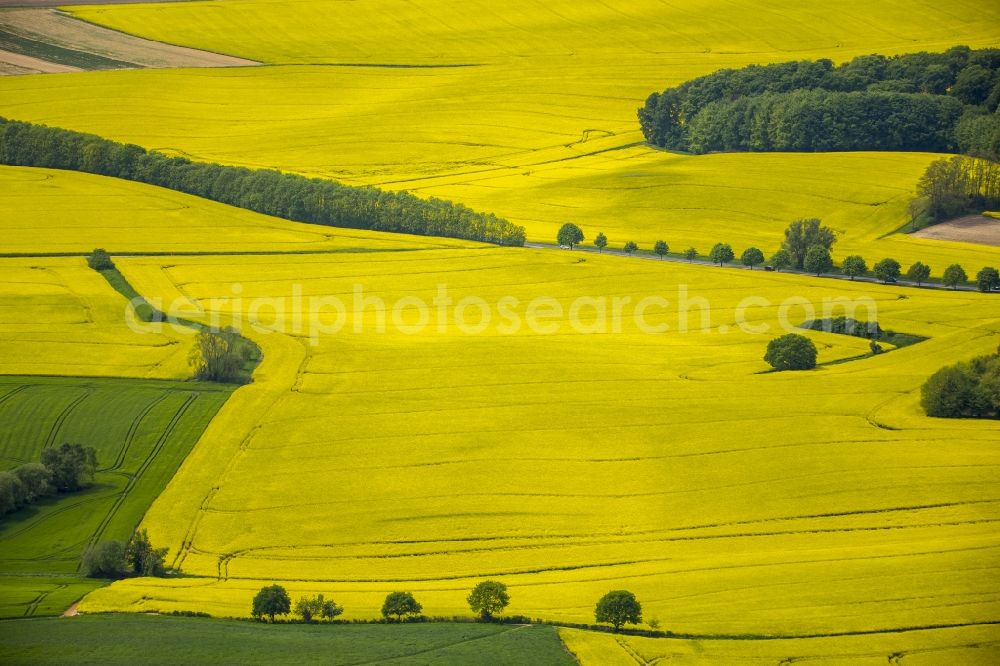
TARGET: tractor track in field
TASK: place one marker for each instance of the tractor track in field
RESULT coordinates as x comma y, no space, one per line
132,430
61,419
134,478
34,603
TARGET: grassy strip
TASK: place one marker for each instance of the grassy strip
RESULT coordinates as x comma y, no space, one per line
110,639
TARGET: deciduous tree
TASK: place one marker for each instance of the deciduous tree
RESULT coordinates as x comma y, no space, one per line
271,601
954,276
400,605
618,607
488,598
661,248
570,235
751,257
791,352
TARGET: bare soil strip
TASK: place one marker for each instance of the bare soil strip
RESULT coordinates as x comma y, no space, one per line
50,35
17,63
969,229
63,3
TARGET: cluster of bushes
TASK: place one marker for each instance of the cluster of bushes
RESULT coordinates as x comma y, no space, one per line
223,355
265,191
920,101
487,600
964,390
66,469
955,186
114,559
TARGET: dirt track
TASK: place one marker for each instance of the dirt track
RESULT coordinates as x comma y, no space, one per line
969,229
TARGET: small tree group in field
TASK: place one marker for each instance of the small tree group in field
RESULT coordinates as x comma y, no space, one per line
100,260
791,352
488,599
617,608
66,469
113,559
964,390
630,247
400,605
690,254
661,249
310,608
220,356
569,235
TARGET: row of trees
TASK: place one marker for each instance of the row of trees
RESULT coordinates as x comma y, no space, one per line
919,101
114,559
970,389
265,191
955,186
487,600
807,246
66,469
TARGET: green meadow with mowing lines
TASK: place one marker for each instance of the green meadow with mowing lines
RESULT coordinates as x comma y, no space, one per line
101,639
142,431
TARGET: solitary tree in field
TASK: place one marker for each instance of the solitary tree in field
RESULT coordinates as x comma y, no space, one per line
887,270
791,352
630,247
803,234
601,242
854,266
569,234
400,604
751,257
661,248
270,601
988,279
782,259
721,253
488,598
954,275
818,260
918,272
618,607
690,254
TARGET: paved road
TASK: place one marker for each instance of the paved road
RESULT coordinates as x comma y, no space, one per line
740,267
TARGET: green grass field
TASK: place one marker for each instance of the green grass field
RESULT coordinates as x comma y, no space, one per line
142,431
171,640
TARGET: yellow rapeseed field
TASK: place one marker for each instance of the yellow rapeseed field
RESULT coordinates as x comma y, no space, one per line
570,462
540,128
61,318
